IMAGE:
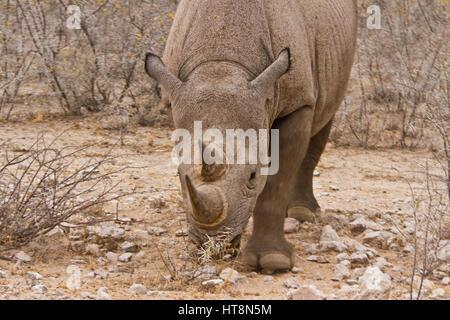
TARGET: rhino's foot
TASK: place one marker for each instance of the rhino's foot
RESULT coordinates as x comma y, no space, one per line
303,213
270,258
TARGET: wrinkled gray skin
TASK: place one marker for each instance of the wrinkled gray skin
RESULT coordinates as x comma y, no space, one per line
257,64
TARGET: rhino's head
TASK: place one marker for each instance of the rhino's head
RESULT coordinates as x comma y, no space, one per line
220,196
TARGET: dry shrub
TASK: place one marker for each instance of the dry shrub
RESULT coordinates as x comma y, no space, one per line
400,73
42,186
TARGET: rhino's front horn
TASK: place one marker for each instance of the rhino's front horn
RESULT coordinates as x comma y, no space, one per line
208,204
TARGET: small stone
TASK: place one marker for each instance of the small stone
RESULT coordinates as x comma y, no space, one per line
358,226
138,289
155,231
341,272
445,281
23,257
342,256
77,261
207,272
34,275
295,270
376,239
140,255
334,188
352,282
100,274
349,291
39,288
126,257
358,272
252,274
291,283
346,263
113,257
129,247
316,173
212,283
375,285
268,279
291,225
330,241
306,293
231,275
2,274
107,230
102,294
437,293
382,263
181,233
60,293
93,249
358,259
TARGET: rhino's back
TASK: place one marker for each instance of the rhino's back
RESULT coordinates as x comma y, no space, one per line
320,34
322,37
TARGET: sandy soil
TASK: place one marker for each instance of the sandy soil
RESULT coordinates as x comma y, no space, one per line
372,183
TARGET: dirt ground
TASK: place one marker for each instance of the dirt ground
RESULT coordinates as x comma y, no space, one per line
350,183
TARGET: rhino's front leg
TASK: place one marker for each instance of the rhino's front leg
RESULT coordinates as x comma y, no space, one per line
267,248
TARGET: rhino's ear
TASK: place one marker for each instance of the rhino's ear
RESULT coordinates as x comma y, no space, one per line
156,69
274,71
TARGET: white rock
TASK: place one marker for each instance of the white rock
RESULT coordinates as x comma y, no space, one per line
140,255
382,263
207,272
230,275
23,257
102,294
155,231
39,288
349,291
437,293
212,283
329,240
138,289
342,256
93,249
126,257
309,292
295,270
181,233
2,274
113,257
34,275
359,258
377,239
129,247
375,285
291,283
268,279
291,225
341,272
107,230
445,280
